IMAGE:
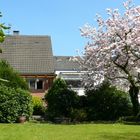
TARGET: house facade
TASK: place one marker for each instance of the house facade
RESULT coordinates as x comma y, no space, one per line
32,57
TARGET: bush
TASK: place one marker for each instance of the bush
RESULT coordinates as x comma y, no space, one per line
38,108
107,103
7,73
79,115
60,100
13,104
129,119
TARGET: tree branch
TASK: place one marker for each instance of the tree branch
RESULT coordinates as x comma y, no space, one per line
116,77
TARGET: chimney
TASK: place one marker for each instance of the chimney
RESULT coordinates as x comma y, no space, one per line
15,32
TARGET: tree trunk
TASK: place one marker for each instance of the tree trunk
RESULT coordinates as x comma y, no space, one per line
133,92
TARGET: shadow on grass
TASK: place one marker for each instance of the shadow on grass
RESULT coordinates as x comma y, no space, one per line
121,136
42,120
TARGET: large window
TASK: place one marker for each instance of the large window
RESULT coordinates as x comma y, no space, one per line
35,84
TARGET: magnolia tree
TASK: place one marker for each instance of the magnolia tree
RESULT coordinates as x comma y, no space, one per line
113,51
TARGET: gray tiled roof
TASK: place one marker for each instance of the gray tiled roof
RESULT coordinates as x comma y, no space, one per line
28,54
64,63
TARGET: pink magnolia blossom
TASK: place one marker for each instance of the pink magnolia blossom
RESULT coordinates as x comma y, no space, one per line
113,50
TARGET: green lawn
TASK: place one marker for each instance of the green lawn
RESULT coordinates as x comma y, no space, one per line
34,131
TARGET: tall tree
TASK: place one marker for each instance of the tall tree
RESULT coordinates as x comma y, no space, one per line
113,51
2,37
2,28
14,80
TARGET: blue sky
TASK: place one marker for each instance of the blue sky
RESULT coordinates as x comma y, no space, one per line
59,19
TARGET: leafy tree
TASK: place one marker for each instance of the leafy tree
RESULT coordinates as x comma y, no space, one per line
2,28
113,51
13,78
2,37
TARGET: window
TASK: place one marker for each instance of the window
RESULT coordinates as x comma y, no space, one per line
74,83
40,84
35,84
32,84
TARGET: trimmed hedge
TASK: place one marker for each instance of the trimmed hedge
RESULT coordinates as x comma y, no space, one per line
13,104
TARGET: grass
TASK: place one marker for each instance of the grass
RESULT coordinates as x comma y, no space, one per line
36,131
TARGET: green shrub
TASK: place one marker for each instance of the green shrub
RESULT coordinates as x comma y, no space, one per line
129,119
38,108
60,100
79,115
8,73
14,103
107,103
